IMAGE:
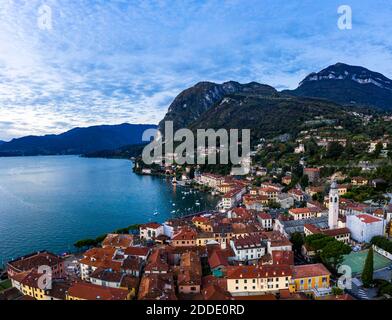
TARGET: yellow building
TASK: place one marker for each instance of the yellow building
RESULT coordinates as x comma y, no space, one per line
33,284
308,277
203,223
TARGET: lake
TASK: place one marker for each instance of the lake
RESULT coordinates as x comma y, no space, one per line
51,202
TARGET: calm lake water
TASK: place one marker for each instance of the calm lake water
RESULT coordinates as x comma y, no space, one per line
51,202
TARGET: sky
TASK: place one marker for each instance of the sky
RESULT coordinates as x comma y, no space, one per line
68,63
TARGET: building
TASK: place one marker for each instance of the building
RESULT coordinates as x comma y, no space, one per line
299,149
118,241
297,194
276,241
255,202
202,223
285,200
88,291
139,252
364,227
286,180
248,248
309,277
95,258
333,207
270,192
211,180
265,220
157,287
340,234
258,280
313,174
106,278
35,285
302,213
36,260
189,275
232,198
288,227
157,262
359,181
150,231
184,237
343,188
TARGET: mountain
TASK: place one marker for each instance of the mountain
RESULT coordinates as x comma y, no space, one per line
1,142
77,140
348,85
191,103
269,116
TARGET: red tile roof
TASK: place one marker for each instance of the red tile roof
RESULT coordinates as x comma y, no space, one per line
88,291
136,251
264,216
310,270
150,225
368,218
252,272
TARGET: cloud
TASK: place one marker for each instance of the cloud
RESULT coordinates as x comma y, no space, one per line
124,61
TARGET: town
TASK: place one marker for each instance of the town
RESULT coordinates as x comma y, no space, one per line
275,235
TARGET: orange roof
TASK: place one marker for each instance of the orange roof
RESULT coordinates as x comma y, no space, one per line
268,190
101,258
311,169
264,215
185,234
252,272
368,218
136,251
118,240
88,291
310,270
200,219
150,225
300,211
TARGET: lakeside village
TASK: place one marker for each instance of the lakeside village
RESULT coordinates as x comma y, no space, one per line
277,234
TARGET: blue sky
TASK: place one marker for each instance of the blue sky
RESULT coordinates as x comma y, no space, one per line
124,61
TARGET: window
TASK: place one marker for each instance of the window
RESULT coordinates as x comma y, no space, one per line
236,281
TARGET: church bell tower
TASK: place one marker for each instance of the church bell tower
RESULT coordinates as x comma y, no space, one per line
333,206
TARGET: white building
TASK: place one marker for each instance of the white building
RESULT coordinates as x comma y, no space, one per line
364,227
248,248
286,201
265,220
333,213
232,198
151,230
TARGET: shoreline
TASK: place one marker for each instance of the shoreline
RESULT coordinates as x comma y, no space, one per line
165,212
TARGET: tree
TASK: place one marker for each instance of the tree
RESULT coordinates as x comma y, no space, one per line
334,150
368,269
332,254
304,181
336,291
297,240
